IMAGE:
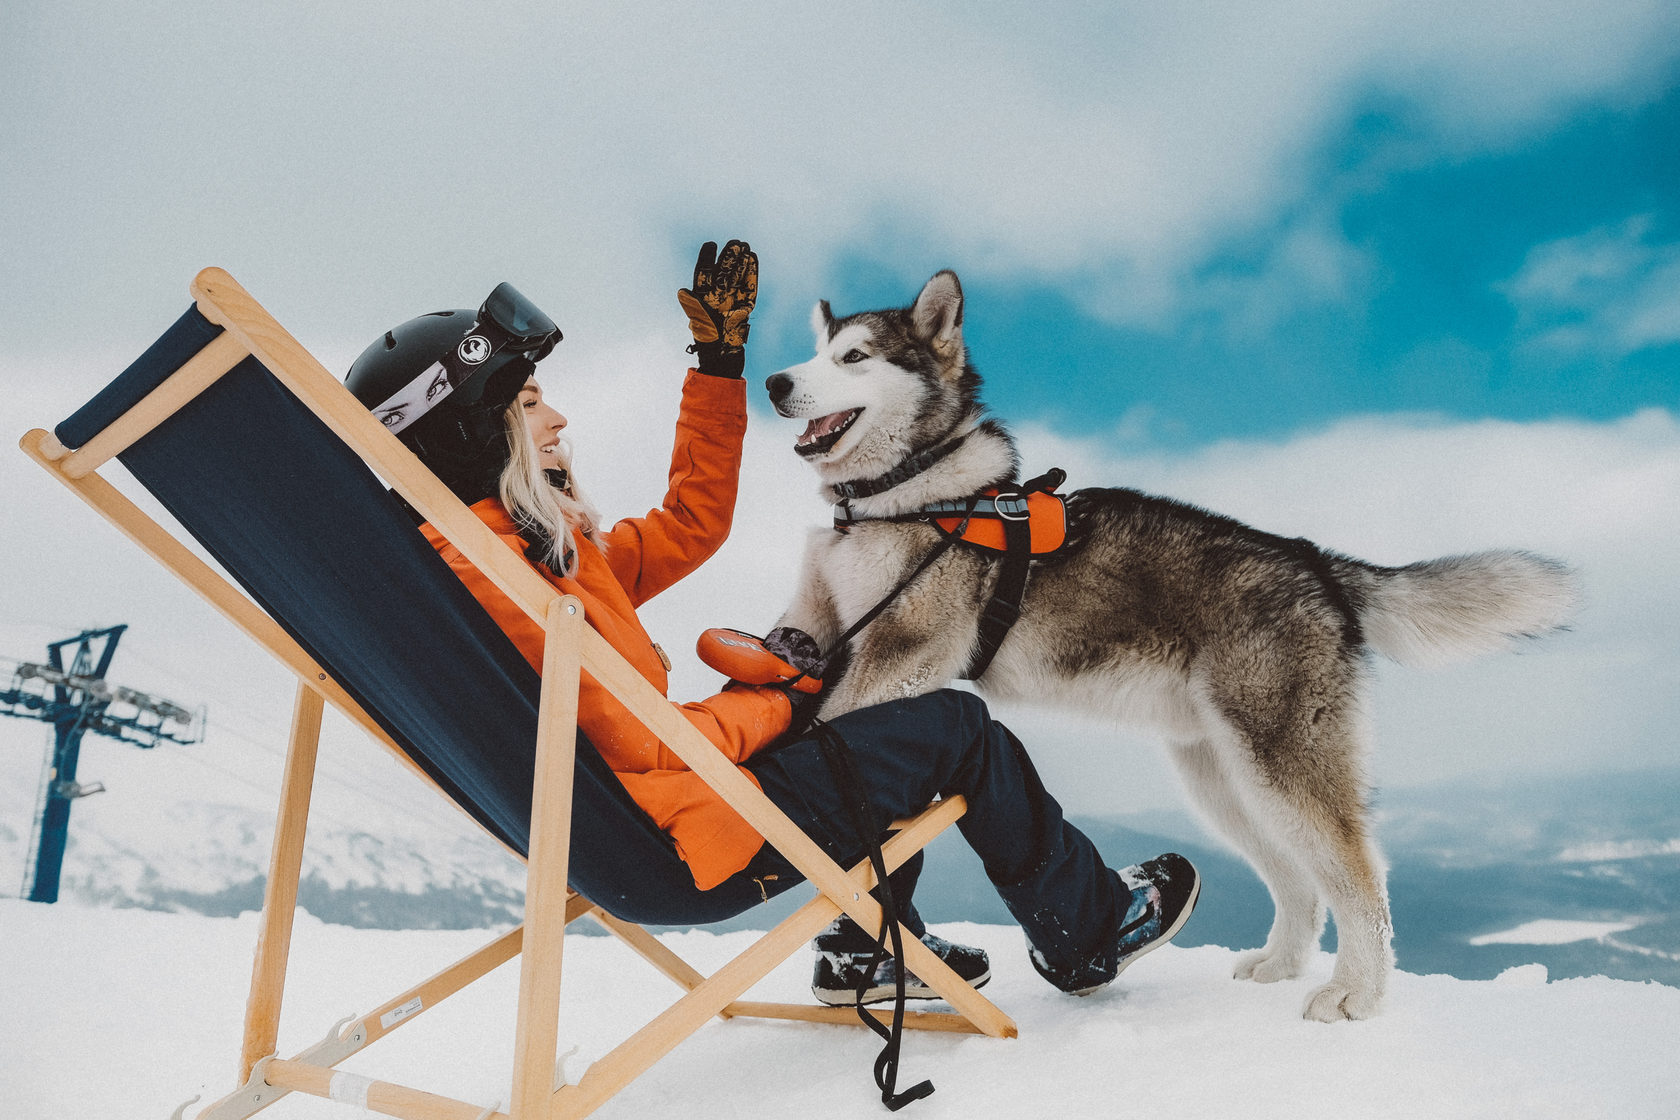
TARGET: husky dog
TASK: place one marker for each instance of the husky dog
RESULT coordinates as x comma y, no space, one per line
1246,651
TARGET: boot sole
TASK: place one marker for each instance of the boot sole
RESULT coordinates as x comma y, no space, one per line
886,994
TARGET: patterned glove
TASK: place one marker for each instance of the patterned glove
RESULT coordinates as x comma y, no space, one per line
725,288
797,648
801,651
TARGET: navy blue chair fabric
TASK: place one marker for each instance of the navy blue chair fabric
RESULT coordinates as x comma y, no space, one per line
296,518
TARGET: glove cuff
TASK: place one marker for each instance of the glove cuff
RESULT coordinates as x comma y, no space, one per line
719,359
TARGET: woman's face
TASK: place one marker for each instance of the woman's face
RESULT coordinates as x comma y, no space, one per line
544,424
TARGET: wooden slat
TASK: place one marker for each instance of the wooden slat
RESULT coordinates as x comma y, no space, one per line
644,702
536,1032
199,372
222,300
274,939
627,1061
49,448
847,1016
382,1096
227,599
444,984
359,1034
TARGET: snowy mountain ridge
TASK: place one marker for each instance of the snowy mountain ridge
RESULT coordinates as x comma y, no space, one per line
1469,863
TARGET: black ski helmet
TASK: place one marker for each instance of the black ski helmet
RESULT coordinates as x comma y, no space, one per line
443,383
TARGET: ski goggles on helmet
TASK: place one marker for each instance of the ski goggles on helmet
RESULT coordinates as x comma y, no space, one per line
508,326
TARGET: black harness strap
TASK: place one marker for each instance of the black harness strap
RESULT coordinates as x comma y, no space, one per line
1002,610
872,613
1003,607
842,766
1000,507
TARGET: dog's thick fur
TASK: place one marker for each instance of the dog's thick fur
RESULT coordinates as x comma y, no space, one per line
1247,651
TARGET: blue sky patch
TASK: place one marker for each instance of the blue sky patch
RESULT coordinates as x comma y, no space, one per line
1534,282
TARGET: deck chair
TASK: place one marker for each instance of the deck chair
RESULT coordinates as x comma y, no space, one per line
340,586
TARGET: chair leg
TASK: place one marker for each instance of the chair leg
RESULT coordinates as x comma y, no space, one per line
274,941
536,1033
630,1058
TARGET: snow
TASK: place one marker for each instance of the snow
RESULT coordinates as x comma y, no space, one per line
1553,931
126,1013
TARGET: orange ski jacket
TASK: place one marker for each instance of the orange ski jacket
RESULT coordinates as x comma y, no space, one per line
642,557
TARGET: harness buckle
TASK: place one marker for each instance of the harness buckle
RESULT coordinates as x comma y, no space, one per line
1011,505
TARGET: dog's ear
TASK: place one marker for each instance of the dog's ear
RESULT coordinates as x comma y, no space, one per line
938,314
822,322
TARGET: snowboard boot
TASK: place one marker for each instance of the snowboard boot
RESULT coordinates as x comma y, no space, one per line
1163,893
843,956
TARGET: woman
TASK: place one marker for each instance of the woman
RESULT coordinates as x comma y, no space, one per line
444,383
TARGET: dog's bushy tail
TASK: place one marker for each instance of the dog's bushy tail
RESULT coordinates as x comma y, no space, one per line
1439,611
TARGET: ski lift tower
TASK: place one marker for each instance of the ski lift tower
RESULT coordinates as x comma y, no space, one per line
76,699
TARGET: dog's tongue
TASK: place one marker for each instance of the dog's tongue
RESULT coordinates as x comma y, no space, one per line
823,425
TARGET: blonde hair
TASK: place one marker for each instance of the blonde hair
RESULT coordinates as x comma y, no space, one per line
555,513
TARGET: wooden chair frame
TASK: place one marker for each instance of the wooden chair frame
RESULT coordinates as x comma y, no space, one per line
572,647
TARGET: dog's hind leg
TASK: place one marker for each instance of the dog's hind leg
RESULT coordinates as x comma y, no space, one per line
1316,805
1298,916
1351,874
1297,730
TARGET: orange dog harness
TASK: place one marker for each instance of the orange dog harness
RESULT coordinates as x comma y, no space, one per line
1021,524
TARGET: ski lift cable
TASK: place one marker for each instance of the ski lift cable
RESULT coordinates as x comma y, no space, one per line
260,736
357,783
334,770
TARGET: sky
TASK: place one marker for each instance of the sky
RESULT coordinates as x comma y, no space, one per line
1400,277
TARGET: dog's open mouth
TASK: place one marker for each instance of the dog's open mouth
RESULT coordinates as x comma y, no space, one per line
823,432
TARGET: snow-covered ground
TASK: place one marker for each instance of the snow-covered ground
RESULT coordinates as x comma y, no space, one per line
126,1013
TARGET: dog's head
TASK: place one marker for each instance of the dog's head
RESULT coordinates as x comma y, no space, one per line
883,384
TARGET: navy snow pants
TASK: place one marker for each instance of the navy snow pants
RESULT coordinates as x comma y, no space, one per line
1048,873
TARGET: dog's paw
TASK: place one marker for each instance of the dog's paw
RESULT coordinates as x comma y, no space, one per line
1335,1002
1266,966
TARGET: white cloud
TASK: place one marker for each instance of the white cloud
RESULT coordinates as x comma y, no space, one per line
363,160
1612,290
1108,149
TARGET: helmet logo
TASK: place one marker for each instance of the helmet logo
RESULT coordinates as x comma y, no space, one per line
474,349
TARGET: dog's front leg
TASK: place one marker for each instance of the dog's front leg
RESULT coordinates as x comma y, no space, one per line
812,609
897,658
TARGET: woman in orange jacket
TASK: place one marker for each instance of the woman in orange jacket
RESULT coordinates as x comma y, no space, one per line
512,467
458,390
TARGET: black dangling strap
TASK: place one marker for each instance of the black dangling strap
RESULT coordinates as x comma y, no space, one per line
843,767
870,615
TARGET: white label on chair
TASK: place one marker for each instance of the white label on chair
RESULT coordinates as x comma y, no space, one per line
350,1088
397,1014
